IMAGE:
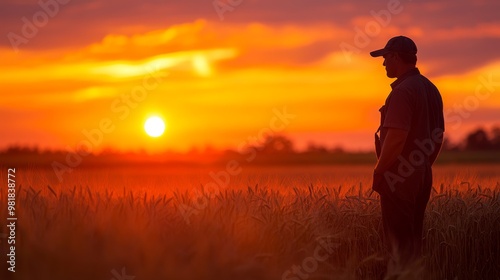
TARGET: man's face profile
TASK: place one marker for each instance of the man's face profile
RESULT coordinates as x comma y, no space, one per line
390,60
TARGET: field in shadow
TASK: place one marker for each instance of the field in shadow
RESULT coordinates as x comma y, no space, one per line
295,226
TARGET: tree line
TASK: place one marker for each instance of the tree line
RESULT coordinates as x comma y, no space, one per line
479,139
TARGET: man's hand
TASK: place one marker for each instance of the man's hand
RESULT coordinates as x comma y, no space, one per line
391,149
437,149
377,183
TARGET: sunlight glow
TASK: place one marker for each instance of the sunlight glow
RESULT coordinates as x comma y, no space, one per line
201,65
154,126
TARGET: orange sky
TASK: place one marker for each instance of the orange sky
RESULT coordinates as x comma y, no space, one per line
220,82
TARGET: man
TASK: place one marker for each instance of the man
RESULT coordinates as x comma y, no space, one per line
411,134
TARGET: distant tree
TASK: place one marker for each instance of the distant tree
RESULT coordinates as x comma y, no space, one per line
108,150
277,144
495,138
316,149
337,150
26,150
449,146
478,140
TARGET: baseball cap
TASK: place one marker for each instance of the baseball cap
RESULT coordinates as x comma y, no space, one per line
397,44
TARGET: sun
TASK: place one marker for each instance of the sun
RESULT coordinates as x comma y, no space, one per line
154,126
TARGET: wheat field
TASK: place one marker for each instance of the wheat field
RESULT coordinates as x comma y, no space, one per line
267,223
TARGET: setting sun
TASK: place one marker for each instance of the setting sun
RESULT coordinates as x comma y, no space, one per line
154,126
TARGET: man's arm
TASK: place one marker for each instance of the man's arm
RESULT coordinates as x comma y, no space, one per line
437,149
391,149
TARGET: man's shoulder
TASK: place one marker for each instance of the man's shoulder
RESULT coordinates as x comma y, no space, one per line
415,82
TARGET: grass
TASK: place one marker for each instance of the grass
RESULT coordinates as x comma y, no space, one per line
248,230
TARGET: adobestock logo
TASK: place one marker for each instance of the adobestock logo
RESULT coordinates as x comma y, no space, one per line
30,28
121,106
417,157
222,7
122,276
220,180
363,37
463,110
324,249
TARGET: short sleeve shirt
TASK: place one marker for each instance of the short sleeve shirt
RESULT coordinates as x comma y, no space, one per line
414,105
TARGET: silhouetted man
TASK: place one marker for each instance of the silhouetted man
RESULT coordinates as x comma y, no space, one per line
411,132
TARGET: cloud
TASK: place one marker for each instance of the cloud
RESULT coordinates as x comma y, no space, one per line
98,71
264,54
79,19
295,31
201,47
